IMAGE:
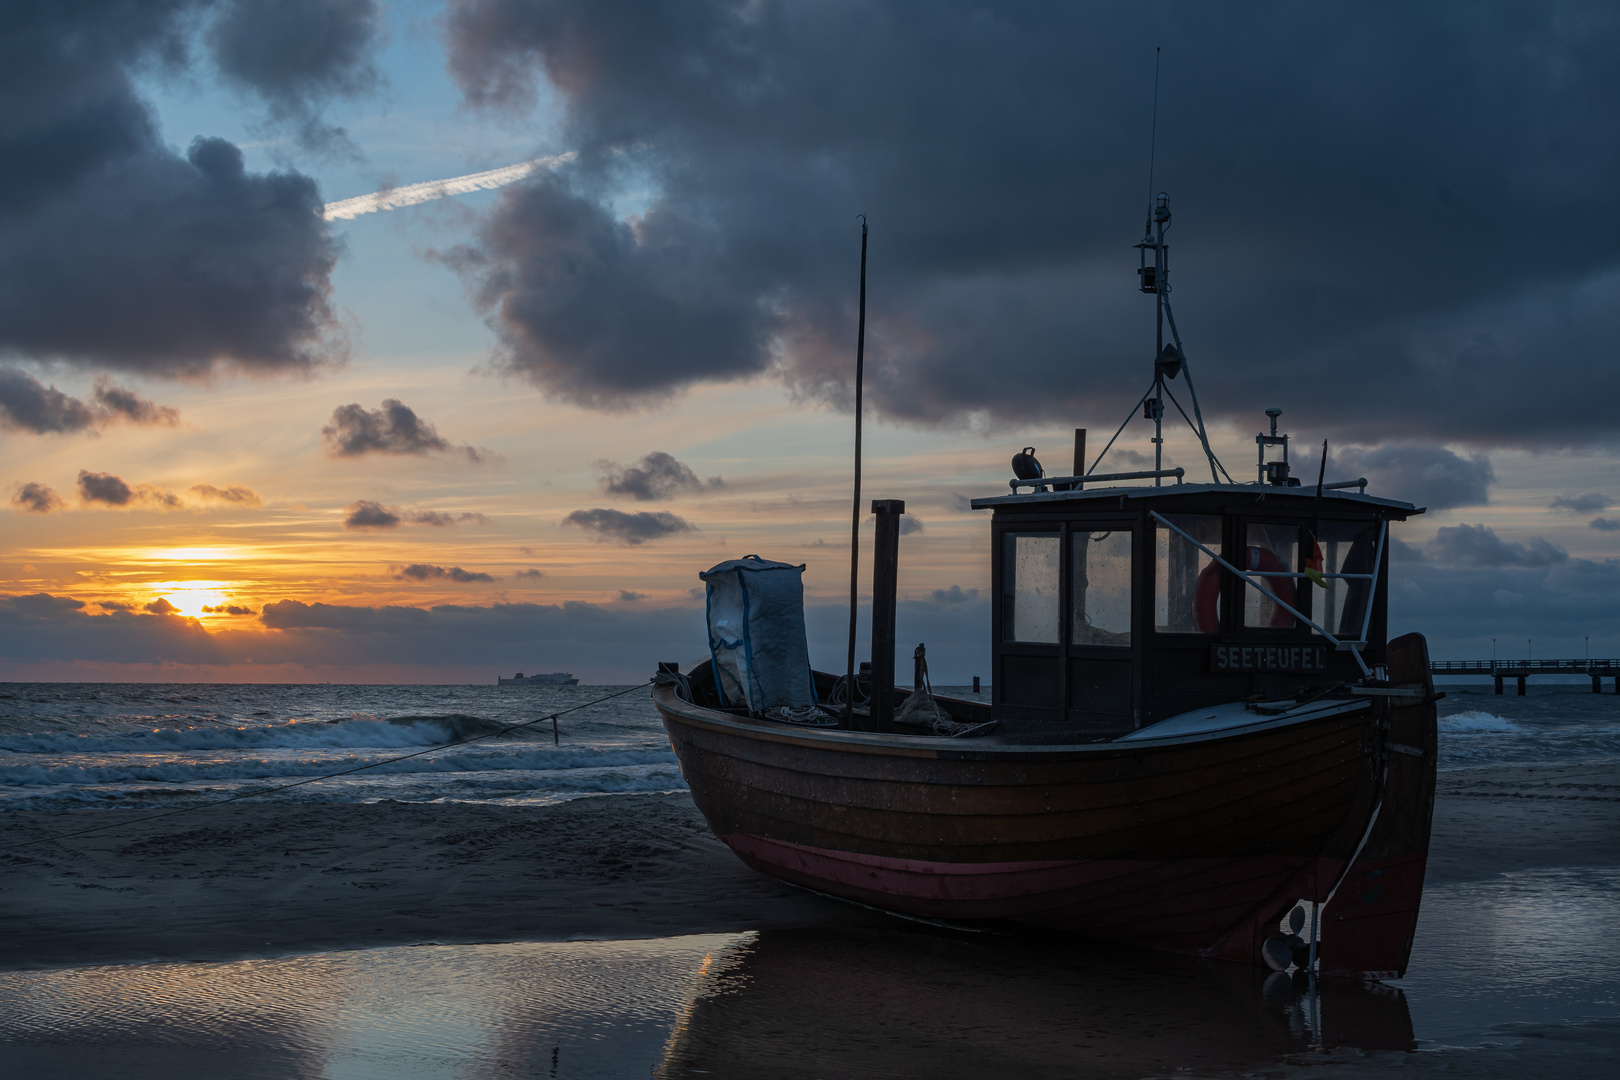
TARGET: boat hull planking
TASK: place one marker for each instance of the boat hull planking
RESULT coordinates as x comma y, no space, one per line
1167,844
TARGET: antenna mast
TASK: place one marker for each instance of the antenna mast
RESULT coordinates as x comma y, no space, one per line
1169,359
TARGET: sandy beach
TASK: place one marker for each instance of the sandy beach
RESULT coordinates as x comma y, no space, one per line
262,879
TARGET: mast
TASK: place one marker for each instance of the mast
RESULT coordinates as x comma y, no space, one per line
1168,358
855,515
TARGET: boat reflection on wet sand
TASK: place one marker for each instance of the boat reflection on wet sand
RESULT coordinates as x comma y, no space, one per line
868,1002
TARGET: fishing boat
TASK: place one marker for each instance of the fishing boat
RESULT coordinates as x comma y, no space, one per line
1199,736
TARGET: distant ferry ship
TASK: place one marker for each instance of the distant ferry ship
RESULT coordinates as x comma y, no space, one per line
556,678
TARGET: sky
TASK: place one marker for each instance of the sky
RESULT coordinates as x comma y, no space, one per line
277,405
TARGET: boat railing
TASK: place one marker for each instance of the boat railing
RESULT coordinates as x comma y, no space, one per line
1077,482
1254,578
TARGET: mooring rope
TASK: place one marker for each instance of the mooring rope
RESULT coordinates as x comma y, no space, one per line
327,776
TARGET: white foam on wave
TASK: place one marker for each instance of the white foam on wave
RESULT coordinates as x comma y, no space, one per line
1477,722
359,733
504,787
105,770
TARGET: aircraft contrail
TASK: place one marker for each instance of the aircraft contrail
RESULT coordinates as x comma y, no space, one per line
411,194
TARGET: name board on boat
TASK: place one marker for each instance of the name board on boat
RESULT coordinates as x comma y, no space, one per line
1268,658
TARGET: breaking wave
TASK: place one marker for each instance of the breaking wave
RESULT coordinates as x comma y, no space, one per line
360,732
127,770
1477,722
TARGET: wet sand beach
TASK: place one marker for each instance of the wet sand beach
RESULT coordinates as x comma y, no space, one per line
260,878
1513,975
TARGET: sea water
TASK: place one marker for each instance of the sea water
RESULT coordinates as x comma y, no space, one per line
148,745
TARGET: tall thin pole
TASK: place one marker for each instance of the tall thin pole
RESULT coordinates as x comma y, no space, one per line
1158,277
855,514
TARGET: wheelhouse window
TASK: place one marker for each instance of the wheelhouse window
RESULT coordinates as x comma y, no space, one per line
1269,550
1348,547
1030,587
1100,578
1186,581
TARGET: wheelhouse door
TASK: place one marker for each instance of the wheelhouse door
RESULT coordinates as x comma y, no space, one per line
1067,641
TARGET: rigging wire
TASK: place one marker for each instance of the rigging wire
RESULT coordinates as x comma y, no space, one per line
328,776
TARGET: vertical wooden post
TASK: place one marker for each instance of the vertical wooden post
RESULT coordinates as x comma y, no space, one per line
885,589
1079,456
1521,686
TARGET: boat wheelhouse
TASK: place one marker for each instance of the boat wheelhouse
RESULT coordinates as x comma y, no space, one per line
1115,608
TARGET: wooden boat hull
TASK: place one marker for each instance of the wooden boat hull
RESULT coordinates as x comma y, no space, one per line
1198,843
1170,845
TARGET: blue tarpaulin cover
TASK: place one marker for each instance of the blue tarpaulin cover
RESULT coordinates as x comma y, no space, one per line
756,633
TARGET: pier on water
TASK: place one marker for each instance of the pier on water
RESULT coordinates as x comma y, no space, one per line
1523,669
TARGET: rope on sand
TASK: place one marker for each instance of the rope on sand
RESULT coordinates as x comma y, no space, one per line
328,776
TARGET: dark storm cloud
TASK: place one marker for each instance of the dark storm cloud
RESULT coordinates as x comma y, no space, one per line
1478,545
104,488
115,250
1372,206
45,627
561,278
910,525
1580,504
631,528
356,431
232,495
229,609
439,519
295,54
1461,610
365,514
32,498
28,405
1605,524
426,572
630,596
1430,476
530,573
122,403
657,476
